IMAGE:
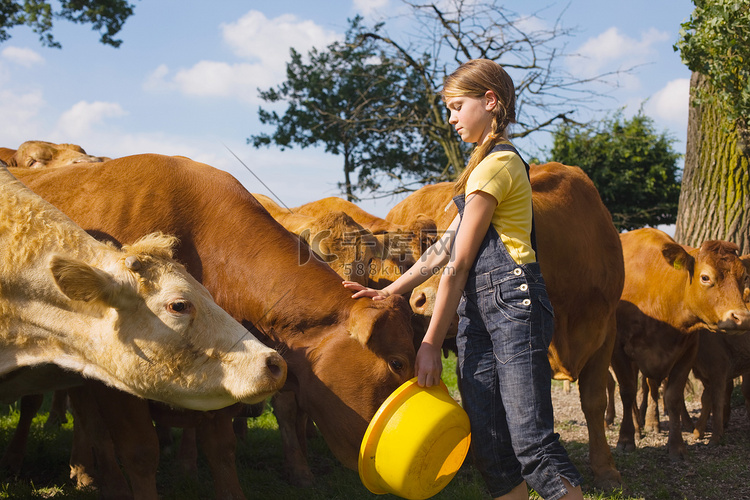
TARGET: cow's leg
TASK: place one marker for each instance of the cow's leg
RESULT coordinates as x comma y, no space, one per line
14,453
81,454
651,400
287,414
136,443
187,456
706,410
728,400
592,384
93,462
687,420
609,415
627,376
718,397
57,412
164,435
239,424
674,401
746,392
218,442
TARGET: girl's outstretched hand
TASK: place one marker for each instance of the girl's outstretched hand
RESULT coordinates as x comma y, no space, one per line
363,291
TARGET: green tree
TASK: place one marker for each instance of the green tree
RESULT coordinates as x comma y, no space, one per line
439,38
715,198
356,102
105,16
633,167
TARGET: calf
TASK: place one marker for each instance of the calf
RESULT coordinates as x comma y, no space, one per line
671,293
720,359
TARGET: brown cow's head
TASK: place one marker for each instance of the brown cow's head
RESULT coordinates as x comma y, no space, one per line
41,154
352,374
342,243
717,284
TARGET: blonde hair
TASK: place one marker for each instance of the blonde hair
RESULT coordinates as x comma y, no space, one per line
473,79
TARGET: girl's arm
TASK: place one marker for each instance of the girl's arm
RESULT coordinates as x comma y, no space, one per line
428,264
476,221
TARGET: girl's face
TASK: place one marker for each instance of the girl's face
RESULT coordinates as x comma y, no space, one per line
472,116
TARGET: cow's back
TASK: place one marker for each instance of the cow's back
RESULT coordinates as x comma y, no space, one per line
131,196
432,201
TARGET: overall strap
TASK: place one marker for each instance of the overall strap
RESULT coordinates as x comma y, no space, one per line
508,147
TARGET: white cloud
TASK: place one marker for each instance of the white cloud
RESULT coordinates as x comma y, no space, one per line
612,50
79,121
255,37
20,112
21,56
367,7
264,43
211,78
671,102
157,80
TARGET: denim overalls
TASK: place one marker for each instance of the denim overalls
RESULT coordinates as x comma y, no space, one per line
505,328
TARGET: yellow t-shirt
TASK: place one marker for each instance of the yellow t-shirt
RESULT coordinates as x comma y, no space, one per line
503,175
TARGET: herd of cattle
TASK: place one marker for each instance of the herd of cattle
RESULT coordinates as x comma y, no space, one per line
102,303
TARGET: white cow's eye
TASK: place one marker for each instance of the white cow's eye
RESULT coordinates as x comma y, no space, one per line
179,307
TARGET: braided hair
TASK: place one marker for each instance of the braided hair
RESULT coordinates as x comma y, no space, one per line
473,79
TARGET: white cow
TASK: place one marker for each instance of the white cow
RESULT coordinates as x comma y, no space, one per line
132,318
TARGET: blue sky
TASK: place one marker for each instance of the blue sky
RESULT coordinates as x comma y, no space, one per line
184,80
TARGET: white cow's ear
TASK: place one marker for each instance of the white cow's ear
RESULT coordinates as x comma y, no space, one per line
79,281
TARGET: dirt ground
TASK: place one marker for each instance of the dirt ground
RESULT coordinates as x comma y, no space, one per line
710,472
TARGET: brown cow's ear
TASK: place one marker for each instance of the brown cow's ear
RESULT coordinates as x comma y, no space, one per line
677,257
426,229
745,259
365,317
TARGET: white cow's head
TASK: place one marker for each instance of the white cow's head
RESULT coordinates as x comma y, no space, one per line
161,334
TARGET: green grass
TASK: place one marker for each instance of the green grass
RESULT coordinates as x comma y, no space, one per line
648,473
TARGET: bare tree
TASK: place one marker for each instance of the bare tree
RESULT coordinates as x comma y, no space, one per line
444,36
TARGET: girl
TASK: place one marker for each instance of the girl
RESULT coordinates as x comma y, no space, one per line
491,277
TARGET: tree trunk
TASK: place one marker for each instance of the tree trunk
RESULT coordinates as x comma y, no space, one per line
715,195
348,177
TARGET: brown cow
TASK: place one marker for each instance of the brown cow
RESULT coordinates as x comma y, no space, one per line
581,260
671,292
720,359
42,154
403,242
344,356
335,237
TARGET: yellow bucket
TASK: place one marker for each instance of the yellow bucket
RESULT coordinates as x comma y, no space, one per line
415,443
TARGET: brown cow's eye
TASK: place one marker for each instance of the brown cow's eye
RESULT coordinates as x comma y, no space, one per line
396,365
705,279
179,307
